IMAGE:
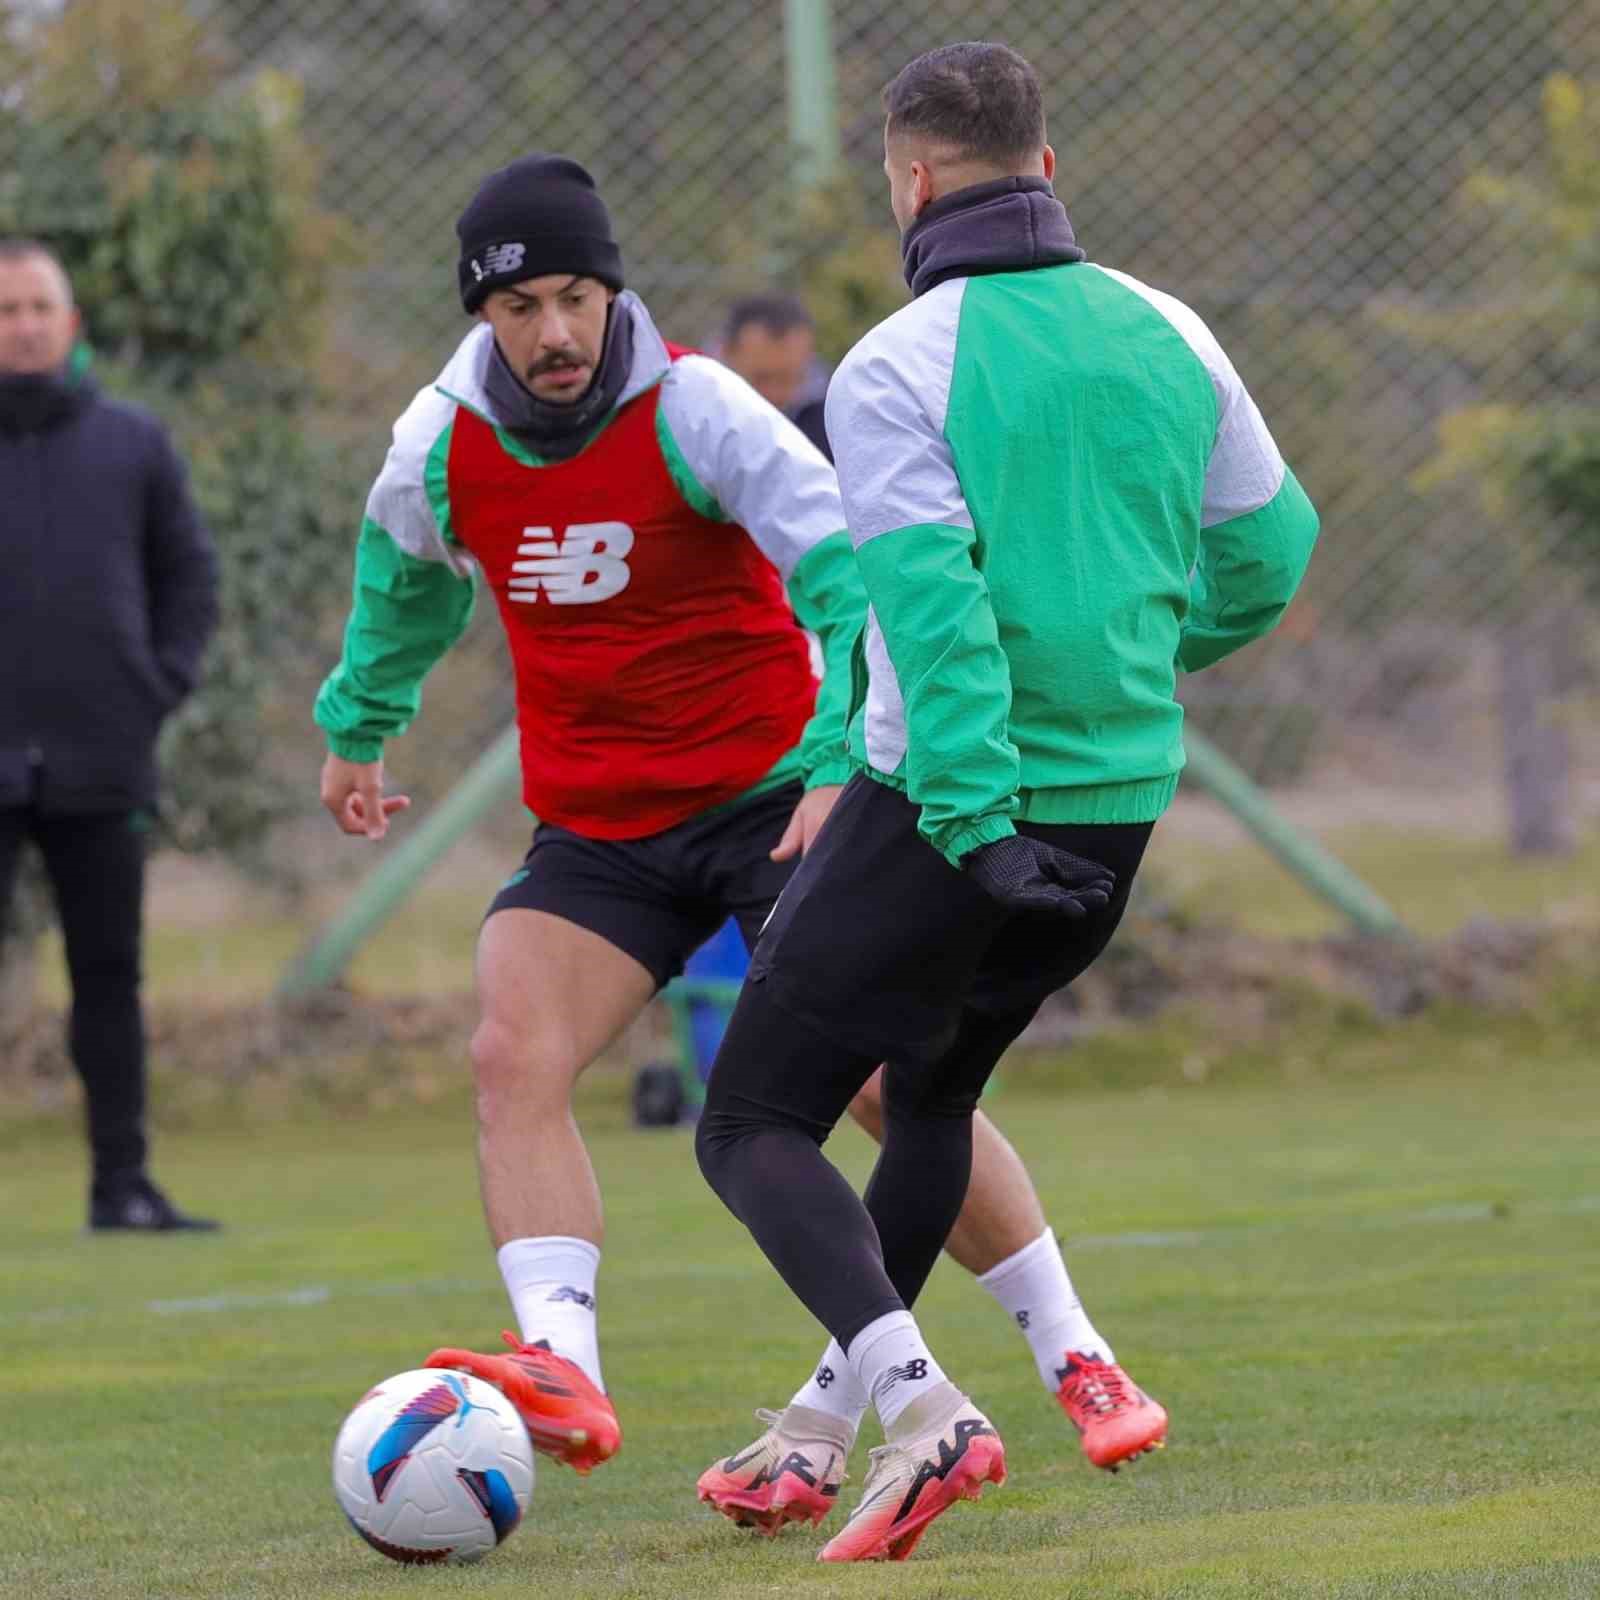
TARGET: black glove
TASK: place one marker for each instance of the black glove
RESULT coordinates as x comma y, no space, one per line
1029,875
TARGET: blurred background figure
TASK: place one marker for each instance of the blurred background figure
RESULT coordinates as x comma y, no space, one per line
107,599
771,342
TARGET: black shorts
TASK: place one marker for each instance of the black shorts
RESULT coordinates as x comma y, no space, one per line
660,898
881,945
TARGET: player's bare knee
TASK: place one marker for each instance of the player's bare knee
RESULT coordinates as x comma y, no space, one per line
511,1069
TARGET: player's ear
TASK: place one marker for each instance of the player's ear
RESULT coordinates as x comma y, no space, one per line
1049,164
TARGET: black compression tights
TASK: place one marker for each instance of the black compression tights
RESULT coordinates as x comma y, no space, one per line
775,1094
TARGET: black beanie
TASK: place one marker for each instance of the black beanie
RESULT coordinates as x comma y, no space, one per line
539,215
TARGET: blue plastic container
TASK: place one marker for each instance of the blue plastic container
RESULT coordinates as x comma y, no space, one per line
721,960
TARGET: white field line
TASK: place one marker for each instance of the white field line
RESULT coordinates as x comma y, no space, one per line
1469,1211
311,1294
319,1294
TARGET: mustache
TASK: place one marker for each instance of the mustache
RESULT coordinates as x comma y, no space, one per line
558,361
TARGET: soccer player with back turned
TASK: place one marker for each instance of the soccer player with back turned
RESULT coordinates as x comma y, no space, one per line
1060,496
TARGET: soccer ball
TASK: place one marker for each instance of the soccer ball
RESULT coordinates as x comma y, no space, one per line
433,1466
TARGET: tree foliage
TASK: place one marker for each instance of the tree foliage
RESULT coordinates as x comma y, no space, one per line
181,198
1534,451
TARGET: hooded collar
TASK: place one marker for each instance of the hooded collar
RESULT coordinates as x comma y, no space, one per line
1005,225
635,357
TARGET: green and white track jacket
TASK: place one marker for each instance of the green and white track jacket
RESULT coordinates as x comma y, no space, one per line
1060,496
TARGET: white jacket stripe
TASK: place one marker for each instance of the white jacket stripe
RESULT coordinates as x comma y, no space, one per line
762,471
399,501
1245,470
886,414
885,724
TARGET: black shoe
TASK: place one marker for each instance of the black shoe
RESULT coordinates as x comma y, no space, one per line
133,1203
658,1097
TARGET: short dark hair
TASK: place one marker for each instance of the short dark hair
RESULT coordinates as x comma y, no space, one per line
777,313
981,99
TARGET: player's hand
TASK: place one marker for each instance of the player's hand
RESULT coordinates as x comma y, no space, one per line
353,792
1029,875
806,823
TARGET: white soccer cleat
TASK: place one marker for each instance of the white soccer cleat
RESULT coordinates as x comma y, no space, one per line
942,1450
791,1473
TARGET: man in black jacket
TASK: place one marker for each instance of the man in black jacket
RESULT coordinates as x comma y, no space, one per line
107,599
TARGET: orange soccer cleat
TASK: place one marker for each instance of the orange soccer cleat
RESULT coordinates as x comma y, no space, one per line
1116,1419
943,1450
567,1416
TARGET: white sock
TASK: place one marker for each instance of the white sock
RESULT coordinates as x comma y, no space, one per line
893,1364
834,1388
1035,1290
551,1284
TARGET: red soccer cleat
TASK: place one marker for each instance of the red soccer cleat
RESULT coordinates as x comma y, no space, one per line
1115,1417
566,1415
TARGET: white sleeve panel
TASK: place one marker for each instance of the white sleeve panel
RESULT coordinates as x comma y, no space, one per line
886,414
885,724
400,502
1245,470
760,469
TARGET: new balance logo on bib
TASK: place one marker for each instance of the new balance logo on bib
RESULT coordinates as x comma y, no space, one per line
587,564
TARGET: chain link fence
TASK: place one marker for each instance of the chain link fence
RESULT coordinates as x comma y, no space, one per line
1377,206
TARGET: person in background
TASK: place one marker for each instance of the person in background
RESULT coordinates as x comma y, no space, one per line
108,595
771,342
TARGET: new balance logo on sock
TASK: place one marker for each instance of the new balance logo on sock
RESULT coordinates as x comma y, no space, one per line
824,1376
912,1372
580,1297
1022,1319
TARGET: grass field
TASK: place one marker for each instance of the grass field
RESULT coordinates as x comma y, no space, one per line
1363,1278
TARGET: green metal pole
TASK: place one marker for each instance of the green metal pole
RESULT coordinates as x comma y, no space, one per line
490,779
813,90
494,777
1303,856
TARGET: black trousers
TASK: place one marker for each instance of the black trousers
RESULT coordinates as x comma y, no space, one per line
95,864
880,950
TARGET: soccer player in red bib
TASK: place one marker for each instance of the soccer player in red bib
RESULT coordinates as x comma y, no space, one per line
660,542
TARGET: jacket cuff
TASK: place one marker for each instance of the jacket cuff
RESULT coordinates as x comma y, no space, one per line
837,772
988,830
354,746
